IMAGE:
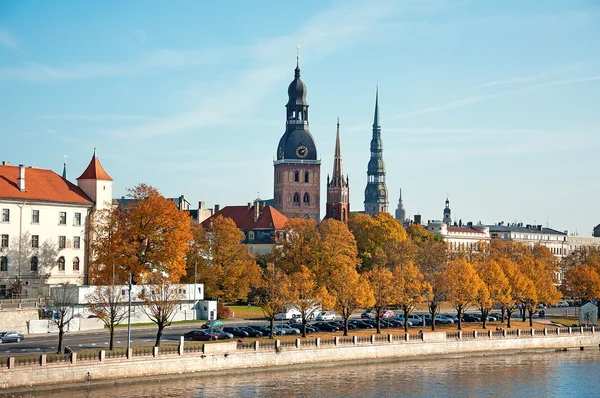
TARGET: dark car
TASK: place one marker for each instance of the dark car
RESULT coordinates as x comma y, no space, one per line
265,330
360,324
237,332
251,332
6,337
471,318
309,328
325,326
340,324
199,335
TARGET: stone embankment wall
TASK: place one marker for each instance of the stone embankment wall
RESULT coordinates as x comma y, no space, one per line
194,357
16,319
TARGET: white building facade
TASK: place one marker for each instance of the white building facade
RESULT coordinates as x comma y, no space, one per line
43,226
469,237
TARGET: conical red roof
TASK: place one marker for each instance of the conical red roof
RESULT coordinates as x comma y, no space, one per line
95,171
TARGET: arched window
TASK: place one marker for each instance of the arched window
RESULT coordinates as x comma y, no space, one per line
34,264
306,176
251,235
61,264
289,198
297,198
4,263
333,213
76,264
306,199
296,176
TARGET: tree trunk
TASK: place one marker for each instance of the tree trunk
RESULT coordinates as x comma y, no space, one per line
272,322
405,310
304,321
459,316
159,334
523,313
484,315
508,316
112,337
61,333
502,311
432,310
530,318
346,316
378,321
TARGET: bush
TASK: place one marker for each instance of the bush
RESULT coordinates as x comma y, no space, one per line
223,312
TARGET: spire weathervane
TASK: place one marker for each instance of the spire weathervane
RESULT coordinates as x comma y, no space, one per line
298,47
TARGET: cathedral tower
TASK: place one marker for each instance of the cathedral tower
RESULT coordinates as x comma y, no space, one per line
400,212
376,195
447,213
338,191
297,178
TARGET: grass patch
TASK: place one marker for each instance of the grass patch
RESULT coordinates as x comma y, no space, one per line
566,322
154,324
245,312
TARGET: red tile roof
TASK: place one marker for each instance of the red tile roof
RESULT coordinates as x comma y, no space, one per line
95,171
243,217
40,184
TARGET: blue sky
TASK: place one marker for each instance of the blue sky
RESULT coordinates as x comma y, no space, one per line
493,103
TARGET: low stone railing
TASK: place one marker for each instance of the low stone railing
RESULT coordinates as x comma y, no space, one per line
188,348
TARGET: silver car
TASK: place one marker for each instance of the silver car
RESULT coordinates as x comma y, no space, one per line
286,329
6,337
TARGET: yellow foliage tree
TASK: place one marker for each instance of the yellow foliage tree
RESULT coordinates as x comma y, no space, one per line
350,291
582,282
299,246
307,296
273,293
384,290
461,285
412,289
496,287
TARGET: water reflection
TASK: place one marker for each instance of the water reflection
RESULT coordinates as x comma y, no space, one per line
555,374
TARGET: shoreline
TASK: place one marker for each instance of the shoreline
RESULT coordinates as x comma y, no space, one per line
228,358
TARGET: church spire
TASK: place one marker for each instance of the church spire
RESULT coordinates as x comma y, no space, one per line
376,195
64,173
338,191
376,123
338,170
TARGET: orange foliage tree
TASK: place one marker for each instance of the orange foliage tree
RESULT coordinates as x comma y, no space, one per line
461,285
273,293
496,287
582,282
225,265
350,291
306,295
412,289
384,289
298,246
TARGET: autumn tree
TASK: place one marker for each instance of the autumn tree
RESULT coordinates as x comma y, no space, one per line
146,234
337,250
350,292
225,265
384,288
412,289
107,304
496,287
161,298
273,293
582,282
519,287
461,284
297,246
63,299
306,295
432,260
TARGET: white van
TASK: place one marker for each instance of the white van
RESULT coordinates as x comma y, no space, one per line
291,315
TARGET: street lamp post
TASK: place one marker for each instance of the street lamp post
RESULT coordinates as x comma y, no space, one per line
129,318
195,288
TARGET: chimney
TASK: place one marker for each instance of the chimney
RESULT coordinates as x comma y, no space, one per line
249,205
21,179
217,208
200,205
417,219
5,163
256,210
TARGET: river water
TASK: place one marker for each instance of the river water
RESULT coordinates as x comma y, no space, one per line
548,374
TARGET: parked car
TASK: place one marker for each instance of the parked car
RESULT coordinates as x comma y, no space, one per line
471,318
199,335
453,317
386,314
368,314
266,330
360,324
6,337
326,316
215,324
325,326
251,331
287,329
221,335
309,328
237,332
340,324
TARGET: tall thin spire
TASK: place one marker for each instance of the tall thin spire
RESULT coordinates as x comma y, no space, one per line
376,123
64,173
376,200
338,171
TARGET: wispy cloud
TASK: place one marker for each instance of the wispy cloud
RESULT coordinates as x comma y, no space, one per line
486,97
527,79
7,40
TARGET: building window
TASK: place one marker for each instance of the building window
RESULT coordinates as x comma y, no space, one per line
35,241
34,264
62,218
306,199
4,242
251,235
333,214
5,215
296,176
76,264
62,242
289,198
76,242
4,263
297,198
306,176
61,264
35,216
77,219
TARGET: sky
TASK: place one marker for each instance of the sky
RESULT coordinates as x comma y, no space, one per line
493,104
